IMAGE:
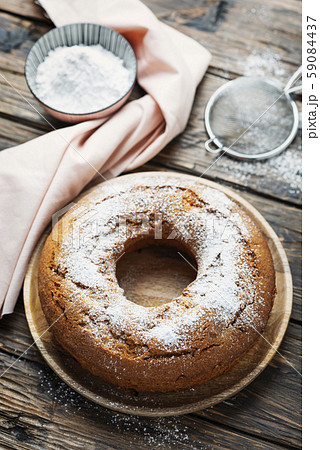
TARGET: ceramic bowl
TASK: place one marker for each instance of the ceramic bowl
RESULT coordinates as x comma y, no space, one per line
75,34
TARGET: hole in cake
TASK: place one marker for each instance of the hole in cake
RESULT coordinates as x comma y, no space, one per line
156,274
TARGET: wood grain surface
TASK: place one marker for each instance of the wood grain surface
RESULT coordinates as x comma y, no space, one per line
37,410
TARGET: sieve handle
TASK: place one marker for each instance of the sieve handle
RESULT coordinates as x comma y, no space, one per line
292,80
294,89
214,151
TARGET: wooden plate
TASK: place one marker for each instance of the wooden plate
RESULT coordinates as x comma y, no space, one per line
151,404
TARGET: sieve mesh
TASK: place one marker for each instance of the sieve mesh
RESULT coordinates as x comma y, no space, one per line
240,104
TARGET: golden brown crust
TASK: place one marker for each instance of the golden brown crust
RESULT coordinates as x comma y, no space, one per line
123,358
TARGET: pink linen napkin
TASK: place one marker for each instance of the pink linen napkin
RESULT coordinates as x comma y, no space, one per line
41,176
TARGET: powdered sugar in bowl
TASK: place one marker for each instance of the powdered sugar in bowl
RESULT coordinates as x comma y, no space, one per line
81,71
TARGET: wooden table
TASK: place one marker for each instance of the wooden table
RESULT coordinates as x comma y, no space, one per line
40,411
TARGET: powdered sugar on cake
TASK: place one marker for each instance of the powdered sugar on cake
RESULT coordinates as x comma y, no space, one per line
198,216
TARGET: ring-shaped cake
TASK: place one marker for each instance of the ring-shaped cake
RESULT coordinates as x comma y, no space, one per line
177,345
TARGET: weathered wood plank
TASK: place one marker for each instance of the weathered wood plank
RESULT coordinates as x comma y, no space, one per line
278,177
102,429
253,411
17,35
21,106
11,132
276,416
25,9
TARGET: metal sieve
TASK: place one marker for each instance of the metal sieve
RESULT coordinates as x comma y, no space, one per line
252,118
